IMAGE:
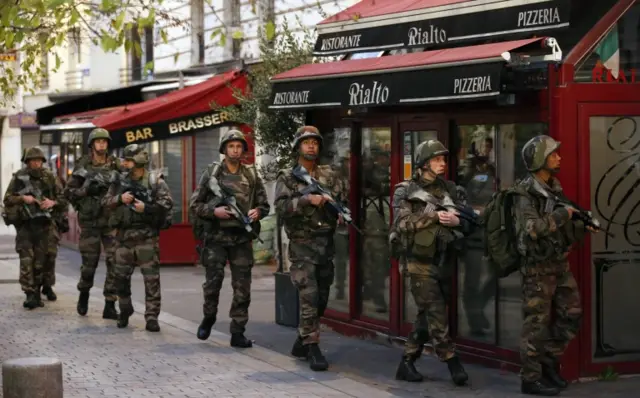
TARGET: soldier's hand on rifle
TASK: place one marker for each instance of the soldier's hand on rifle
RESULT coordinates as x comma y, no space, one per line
318,200
254,214
28,199
47,204
222,213
127,198
449,219
138,206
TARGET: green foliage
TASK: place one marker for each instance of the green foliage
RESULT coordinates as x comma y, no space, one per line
608,374
273,129
34,29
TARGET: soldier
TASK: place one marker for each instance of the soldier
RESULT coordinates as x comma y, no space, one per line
310,228
544,235
32,201
58,227
225,237
138,223
94,219
428,237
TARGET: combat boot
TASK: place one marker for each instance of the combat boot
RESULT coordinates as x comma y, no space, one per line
38,298
125,313
407,370
240,341
317,361
458,374
539,387
299,350
48,291
552,373
31,302
83,303
152,325
204,330
109,311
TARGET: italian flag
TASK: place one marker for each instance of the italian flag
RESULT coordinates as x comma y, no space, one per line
609,52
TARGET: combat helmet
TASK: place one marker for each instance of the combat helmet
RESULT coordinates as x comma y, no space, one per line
536,151
137,153
33,153
305,132
233,135
428,150
98,133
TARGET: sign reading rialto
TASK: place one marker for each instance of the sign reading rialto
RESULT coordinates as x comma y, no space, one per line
404,87
168,128
467,25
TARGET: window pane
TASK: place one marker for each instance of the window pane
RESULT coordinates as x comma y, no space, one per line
512,138
411,140
476,283
614,157
374,216
337,152
173,174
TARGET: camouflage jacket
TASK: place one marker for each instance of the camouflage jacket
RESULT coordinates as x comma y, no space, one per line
544,232
301,219
245,185
124,218
43,180
91,213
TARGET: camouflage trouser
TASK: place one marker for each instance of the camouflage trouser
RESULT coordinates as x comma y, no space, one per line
90,240
240,259
49,269
313,280
432,321
32,242
133,249
542,340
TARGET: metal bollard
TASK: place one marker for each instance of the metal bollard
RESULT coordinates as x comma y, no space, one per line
32,378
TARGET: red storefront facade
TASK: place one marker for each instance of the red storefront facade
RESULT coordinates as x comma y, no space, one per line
588,99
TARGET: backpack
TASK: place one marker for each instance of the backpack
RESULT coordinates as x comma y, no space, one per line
199,225
167,221
499,240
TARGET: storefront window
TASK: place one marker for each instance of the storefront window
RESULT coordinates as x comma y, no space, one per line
411,141
614,156
375,210
489,157
172,158
337,152
617,57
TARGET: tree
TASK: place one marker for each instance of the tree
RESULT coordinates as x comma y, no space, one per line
273,129
32,29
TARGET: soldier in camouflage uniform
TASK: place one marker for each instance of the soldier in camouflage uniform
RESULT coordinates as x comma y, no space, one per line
545,232
58,227
225,237
93,219
138,225
428,237
310,228
32,202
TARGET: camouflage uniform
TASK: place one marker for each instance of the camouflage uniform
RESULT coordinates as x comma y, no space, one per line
544,236
33,225
311,248
428,262
228,240
94,223
137,234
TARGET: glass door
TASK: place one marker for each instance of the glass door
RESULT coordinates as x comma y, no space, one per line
609,156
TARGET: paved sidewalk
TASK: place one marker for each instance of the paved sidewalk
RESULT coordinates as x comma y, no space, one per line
100,360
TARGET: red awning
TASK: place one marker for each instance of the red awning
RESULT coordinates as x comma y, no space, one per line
188,101
420,60
375,8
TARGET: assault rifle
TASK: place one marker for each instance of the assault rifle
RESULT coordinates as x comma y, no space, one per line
229,200
137,191
433,204
33,210
313,187
578,214
94,183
